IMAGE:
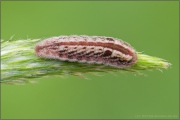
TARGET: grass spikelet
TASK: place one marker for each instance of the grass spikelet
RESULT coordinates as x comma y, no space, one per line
20,64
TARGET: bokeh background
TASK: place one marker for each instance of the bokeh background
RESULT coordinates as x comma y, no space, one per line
150,27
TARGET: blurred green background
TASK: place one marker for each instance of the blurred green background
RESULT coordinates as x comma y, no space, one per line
150,27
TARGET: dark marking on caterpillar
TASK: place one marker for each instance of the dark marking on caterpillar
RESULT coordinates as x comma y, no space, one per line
90,49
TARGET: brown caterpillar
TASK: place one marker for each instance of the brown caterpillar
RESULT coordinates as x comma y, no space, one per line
90,49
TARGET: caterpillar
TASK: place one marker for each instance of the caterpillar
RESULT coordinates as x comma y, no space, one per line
88,49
